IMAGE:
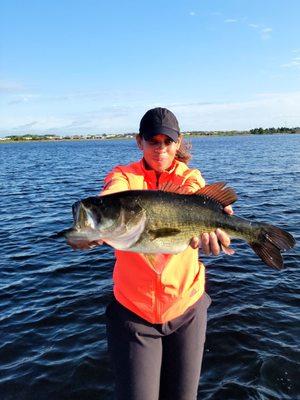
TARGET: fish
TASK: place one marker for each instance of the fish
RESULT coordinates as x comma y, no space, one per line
165,220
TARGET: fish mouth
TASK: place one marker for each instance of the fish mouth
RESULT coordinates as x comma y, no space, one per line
75,210
83,217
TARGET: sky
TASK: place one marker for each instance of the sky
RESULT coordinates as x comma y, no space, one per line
94,66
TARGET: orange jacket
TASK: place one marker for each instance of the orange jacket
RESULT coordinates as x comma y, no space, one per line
160,288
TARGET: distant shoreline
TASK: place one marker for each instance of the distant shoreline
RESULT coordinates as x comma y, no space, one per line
77,138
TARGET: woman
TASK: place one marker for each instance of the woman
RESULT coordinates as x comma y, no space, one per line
156,323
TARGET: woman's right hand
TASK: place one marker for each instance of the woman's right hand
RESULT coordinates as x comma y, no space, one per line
84,244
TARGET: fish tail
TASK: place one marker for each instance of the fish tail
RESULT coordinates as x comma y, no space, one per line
269,244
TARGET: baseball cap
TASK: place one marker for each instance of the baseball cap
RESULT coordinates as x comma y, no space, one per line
159,121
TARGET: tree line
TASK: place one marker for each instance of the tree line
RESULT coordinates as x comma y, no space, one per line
255,131
283,129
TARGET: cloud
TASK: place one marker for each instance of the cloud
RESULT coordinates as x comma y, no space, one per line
19,99
14,93
72,99
26,126
264,109
10,87
266,33
107,119
295,63
192,13
255,26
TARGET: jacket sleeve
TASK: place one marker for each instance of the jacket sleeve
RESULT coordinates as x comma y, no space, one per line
194,180
116,181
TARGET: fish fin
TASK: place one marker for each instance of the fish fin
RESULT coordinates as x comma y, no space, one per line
163,232
280,238
269,253
271,242
219,193
173,188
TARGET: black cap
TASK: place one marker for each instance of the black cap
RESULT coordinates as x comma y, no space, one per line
159,120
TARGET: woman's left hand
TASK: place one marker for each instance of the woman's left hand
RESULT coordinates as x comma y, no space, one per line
214,242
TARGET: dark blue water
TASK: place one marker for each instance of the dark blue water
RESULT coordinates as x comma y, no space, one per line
52,299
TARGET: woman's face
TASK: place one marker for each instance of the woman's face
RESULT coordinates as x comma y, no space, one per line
159,152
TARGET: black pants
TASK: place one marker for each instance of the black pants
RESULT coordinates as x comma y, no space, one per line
156,361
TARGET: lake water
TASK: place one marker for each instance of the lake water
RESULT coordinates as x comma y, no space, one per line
52,299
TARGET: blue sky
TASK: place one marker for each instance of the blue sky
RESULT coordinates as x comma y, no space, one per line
87,66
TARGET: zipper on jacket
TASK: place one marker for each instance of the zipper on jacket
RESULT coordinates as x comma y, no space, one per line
157,307
157,181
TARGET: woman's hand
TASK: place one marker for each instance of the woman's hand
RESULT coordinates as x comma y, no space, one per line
214,242
84,245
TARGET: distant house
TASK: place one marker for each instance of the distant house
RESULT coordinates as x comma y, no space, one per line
51,137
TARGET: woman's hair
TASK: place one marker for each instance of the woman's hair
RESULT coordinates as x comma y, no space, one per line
183,154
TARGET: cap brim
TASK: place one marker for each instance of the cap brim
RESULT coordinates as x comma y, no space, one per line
161,130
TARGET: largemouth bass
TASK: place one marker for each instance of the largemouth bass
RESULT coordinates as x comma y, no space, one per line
148,221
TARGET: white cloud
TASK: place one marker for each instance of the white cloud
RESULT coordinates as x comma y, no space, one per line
10,87
266,30
27,126
108,119
82,98
292,64
230,21
255,26
192,13
266,33
19,99
265,109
